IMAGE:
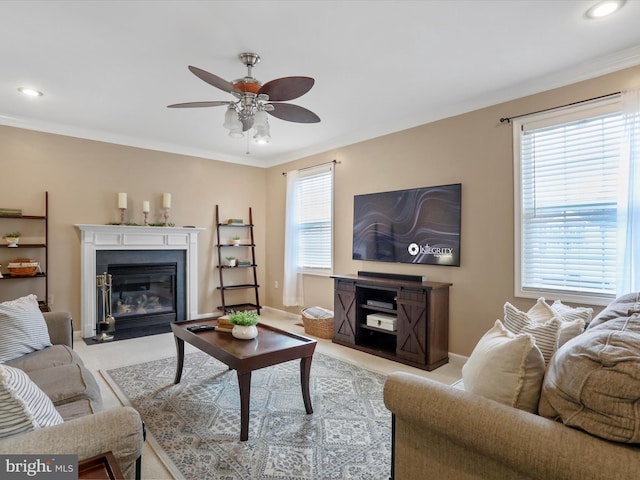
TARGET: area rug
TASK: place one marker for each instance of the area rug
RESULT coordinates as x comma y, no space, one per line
196,424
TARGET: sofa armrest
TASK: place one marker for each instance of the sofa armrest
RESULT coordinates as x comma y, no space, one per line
60,327
118,430
456,434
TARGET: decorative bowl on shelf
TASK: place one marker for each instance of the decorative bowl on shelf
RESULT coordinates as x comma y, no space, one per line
12,241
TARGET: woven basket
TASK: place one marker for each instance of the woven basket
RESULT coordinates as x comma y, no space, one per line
318,327
23,267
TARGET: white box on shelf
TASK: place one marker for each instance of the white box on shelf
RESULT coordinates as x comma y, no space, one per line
383,321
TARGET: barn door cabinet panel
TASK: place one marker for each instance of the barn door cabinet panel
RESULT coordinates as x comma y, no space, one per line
344,323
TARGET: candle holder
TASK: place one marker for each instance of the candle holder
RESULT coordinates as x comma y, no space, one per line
146,218
165,215
122,212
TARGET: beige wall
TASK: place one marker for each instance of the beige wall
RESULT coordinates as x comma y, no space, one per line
474,149
83,178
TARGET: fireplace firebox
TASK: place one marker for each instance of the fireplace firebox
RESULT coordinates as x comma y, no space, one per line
148,289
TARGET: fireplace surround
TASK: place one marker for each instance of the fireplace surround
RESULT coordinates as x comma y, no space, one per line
158,246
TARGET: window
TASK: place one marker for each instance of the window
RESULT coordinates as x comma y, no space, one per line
315,219
566,179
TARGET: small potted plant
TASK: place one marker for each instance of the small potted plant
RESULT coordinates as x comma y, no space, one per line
12,238
231,261
244,324
236,240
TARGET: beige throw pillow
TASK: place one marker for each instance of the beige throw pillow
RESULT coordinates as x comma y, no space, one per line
507,368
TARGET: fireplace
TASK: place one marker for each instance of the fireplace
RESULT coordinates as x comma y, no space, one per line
119,250
147,289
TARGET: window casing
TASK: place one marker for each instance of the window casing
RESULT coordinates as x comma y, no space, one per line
565,177
315,220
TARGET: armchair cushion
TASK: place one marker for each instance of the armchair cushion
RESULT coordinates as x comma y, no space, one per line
60,326
23,406
46,358
22,328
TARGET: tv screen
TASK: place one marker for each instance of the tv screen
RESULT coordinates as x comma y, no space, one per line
419,225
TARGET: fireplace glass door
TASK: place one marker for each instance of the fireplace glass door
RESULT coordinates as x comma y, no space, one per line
143,291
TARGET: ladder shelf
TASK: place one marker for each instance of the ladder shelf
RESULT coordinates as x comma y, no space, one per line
230,249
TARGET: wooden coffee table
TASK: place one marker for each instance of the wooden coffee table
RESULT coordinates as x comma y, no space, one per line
272,346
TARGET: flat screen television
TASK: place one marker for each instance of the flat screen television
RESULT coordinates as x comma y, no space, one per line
419,225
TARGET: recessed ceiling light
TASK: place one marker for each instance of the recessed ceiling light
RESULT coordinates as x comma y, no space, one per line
30,92
605,8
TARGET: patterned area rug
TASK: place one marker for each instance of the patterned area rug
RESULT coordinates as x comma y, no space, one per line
197,422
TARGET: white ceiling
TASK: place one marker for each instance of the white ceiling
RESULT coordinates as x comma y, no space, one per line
108,69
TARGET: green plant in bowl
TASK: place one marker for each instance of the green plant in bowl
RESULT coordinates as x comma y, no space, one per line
244,318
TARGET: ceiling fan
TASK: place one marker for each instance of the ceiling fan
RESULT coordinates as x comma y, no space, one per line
254,100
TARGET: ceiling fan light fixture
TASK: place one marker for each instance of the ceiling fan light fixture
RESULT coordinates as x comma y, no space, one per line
260,120
261,137
231,118
236,132
261,126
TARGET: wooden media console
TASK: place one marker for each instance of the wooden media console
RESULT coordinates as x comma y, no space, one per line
421,338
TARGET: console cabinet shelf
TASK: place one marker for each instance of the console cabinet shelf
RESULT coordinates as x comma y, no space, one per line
421,338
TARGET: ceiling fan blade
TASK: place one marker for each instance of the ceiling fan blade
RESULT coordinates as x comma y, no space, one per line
293,113
214,80
216,103
287,88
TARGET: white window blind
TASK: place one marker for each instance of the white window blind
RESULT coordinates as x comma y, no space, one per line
315,219
566,203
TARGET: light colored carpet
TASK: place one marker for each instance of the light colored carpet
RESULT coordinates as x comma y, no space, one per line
195,426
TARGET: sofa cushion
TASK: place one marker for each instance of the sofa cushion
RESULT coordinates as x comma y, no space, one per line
48,357
22,328
505,367
593,382
23,406
76,409
545,334
68,383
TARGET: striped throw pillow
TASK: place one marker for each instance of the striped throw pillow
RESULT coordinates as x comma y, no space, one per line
22,328
570,314
23,406
545,334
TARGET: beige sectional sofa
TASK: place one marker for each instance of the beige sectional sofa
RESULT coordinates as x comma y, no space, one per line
86,431
443,432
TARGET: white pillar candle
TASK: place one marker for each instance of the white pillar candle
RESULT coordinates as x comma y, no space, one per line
166,200
145,206
122,200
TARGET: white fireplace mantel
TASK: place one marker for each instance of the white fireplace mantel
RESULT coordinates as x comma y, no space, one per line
125,237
